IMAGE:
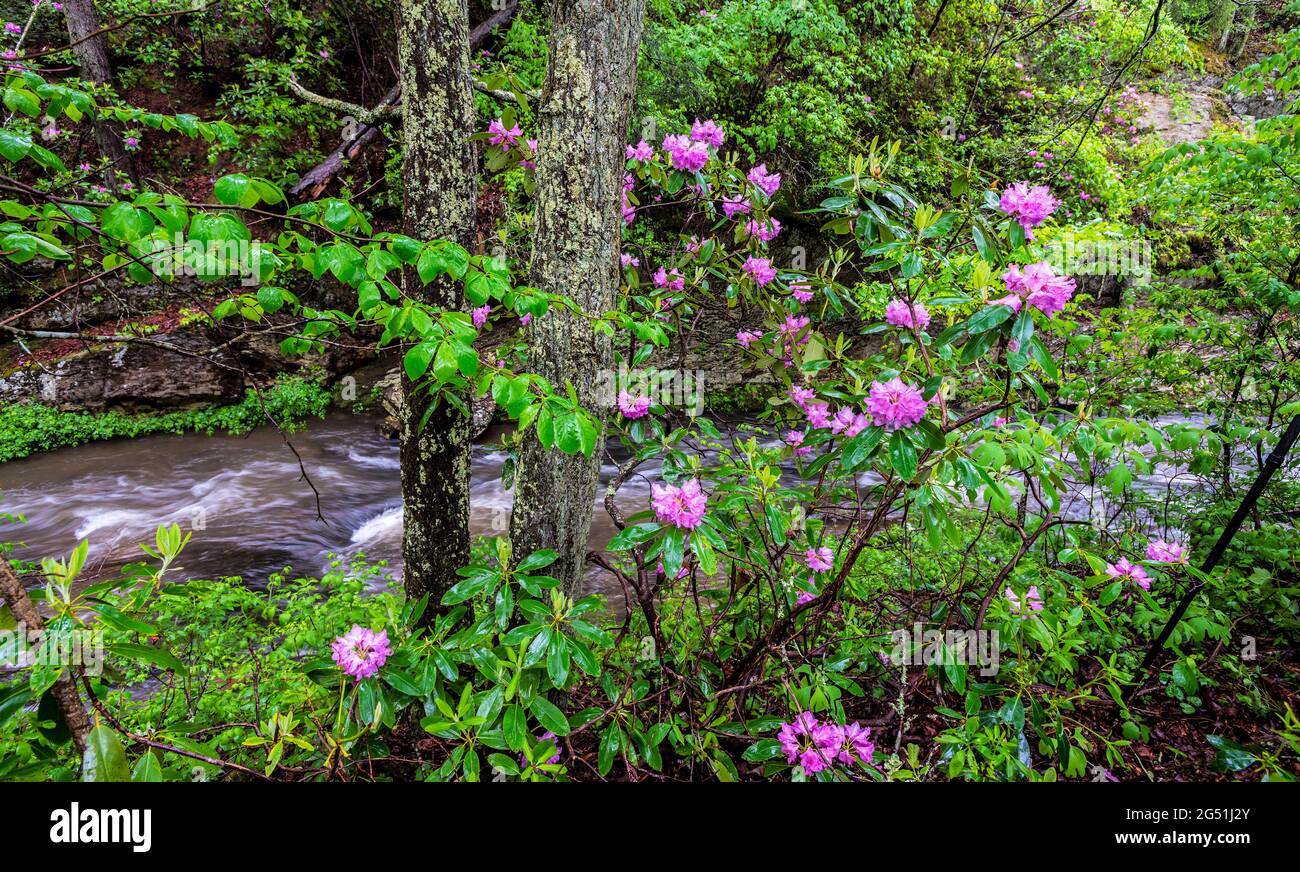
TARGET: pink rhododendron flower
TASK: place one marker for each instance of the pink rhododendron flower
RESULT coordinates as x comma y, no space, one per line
856,743
760,270
684,154
800,396
526,319
683,507
764,231
1161,551
768,183
1038,285
819,415
819,559
361,652
1131,571
902,314
804,596
1031,602
794,439
735,205
632,407
708,132
849,422
642,151
673,281
745,337
1030,206
628,260
895,405
499,136
480,315
811,744
800,291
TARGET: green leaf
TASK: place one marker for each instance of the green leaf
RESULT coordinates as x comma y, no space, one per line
673,552
149,654
13,146
902,456
859,448
147,768
763,749
417,359
630,537
105,758
1230,756
549,716
987,318
537,560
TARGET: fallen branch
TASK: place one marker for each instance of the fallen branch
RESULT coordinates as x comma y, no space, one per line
315,180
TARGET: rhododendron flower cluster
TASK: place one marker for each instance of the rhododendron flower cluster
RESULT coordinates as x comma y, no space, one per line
708,132
683,507
768,183
642,151
629,211
1161,551
1038,285
735,205
673,281
361,652
800,291
1131,571
745,337
816,746
498,134
1030,206
819,559
632,407
895,405
480,315
759,269
900,313
1032,602
685,154
794,439
849,422
765,230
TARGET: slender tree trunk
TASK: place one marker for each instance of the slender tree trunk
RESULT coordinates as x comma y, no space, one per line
590,82
92,57
65,689
440,176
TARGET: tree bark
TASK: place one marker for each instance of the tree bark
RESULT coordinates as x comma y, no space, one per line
583,119
92,57
440,176
65,689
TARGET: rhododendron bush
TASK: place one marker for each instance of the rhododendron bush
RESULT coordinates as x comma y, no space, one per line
975,477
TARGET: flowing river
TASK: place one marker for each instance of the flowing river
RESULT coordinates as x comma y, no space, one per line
245,500
252,513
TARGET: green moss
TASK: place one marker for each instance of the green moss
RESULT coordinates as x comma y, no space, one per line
28,428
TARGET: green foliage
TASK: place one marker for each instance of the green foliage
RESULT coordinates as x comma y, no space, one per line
26,428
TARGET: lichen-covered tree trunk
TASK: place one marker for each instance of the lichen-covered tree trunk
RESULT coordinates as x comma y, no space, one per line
590,82
92,57
440,176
